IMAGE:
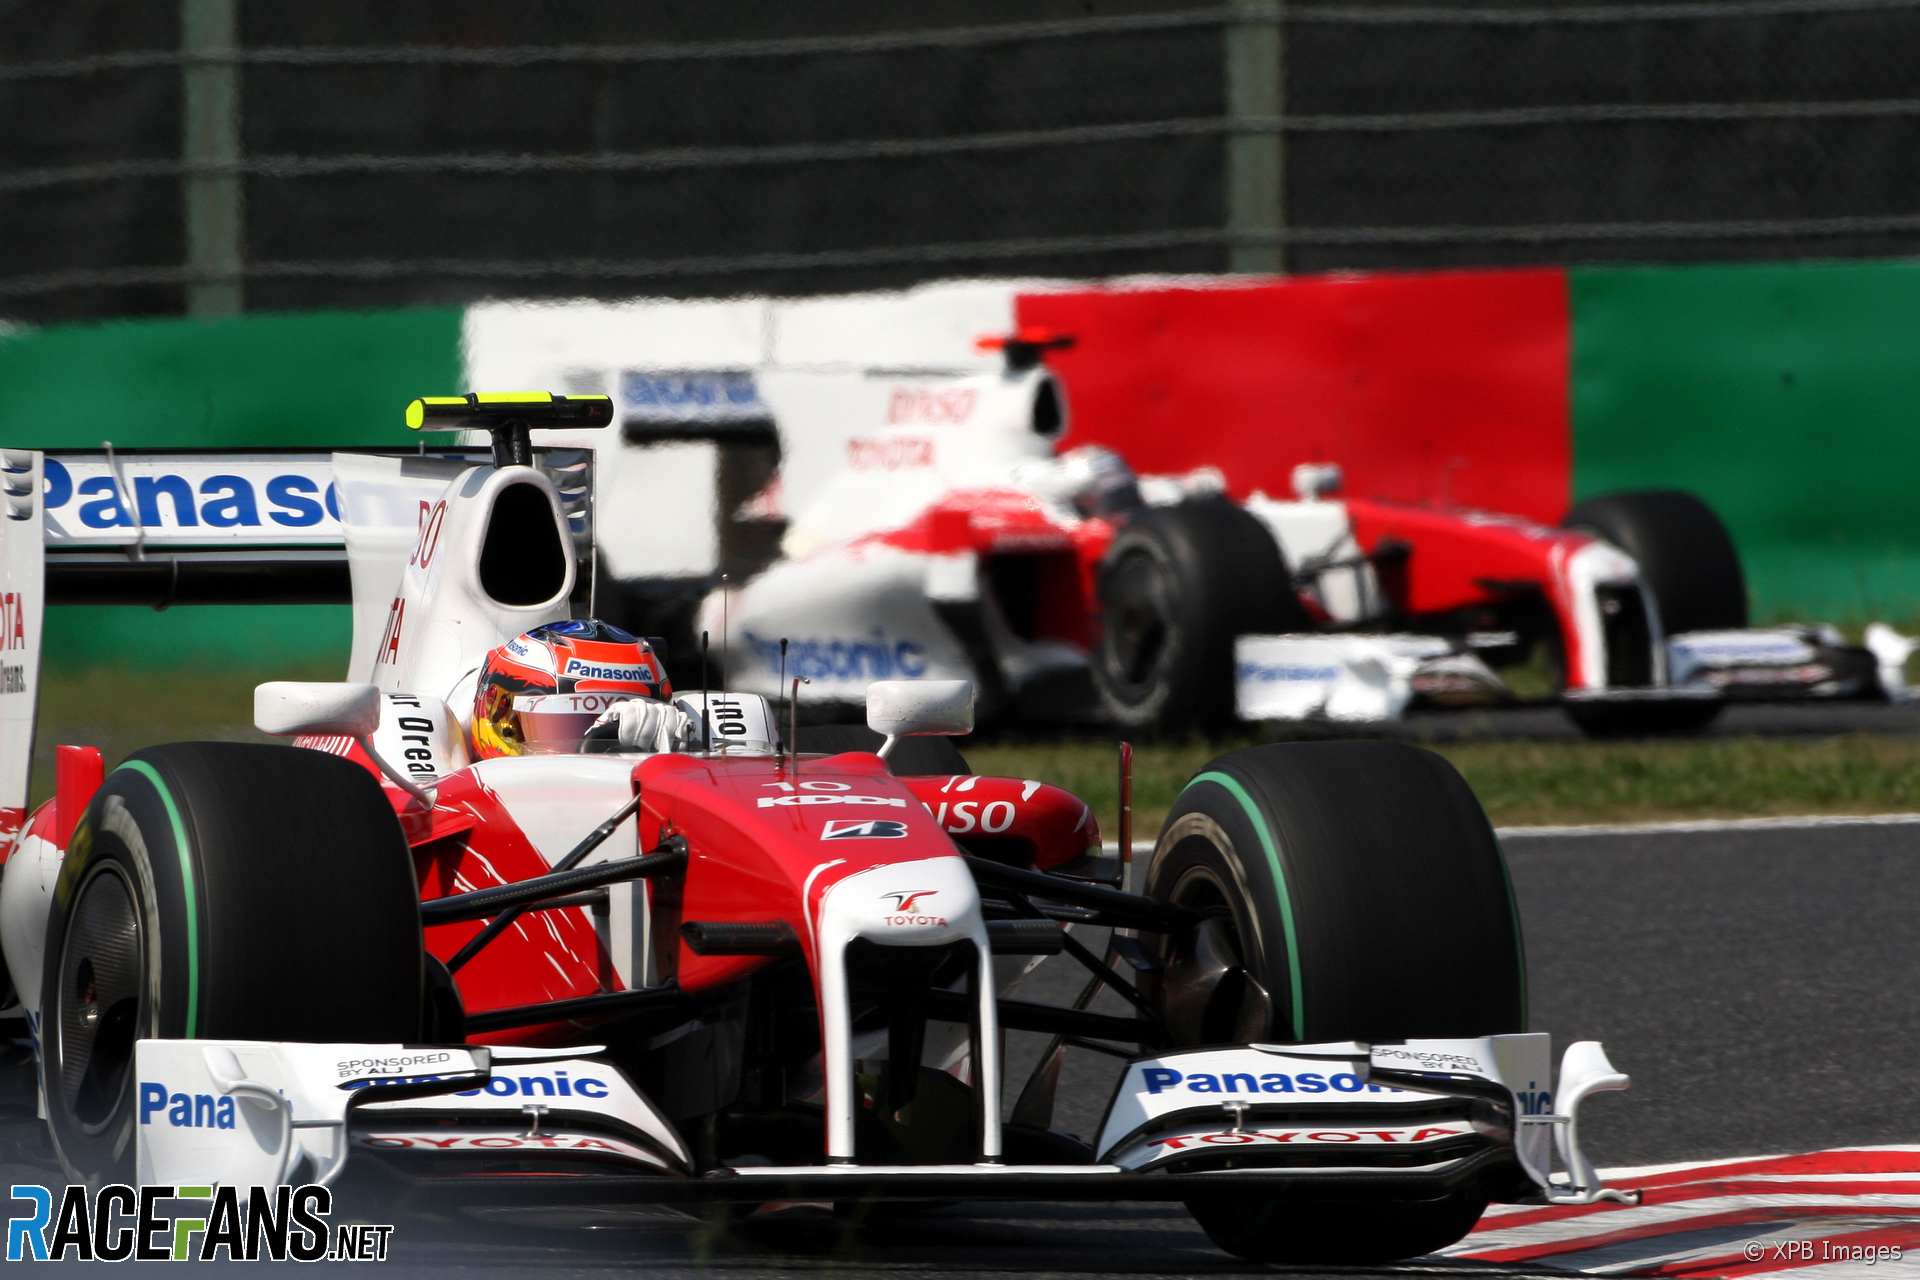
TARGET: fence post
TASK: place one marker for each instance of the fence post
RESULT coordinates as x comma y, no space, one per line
210,135
1255,58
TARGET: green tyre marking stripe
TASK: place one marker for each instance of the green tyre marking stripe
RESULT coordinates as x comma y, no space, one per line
186,884
1233,788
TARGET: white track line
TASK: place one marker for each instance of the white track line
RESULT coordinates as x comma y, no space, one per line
1701,826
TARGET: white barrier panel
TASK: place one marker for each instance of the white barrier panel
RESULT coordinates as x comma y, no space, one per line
719,360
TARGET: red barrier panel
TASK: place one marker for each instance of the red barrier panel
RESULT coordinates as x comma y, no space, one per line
1447,388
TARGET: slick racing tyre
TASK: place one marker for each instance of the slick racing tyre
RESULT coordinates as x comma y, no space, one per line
910,758
1642,719
1349,891
220,891
1176,588
1686,556
1691,568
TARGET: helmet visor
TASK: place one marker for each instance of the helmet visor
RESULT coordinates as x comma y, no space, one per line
557,723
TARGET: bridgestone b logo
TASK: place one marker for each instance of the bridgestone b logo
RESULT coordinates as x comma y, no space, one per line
121,1223
878,829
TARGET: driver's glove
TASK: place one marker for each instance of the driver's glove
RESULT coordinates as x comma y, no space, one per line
646,725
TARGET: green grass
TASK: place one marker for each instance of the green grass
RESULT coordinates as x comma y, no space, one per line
1519,782
121,710
1565,781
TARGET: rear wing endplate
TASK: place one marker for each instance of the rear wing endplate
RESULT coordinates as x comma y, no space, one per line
22,606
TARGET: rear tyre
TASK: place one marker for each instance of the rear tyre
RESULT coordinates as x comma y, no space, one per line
1177,587
220,891
1331,875
910,757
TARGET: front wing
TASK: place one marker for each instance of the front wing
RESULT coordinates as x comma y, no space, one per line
1359,677
1413,1119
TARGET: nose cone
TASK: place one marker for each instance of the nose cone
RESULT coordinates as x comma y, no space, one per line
922,903
925,902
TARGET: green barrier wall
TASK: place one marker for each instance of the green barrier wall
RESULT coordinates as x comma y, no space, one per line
328,378
1787,396
262,381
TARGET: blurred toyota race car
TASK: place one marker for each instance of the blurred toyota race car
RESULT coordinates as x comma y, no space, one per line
931,531
424,956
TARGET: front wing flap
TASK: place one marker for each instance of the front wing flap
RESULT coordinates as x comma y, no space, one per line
1414,1118
1793,662
1354,677
254,1113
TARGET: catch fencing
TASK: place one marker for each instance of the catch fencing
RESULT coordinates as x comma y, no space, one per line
206,156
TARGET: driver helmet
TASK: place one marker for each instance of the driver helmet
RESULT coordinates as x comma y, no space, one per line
1098,481
540,692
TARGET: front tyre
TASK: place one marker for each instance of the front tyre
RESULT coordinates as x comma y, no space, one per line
220,891
1349,891
1686,556
1642,719
1691,568
1337,1232
1178,586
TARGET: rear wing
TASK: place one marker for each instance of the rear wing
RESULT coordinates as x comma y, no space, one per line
168,527
163,528
173,527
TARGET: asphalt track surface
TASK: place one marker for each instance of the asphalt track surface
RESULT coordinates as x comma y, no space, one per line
1757,984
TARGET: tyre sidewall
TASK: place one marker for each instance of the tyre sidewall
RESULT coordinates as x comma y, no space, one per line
1686,555
1173,685
127,829
1221,574
1207,838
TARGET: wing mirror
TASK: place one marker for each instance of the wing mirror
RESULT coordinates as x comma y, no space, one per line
347,709
1315,480
919,708
285,707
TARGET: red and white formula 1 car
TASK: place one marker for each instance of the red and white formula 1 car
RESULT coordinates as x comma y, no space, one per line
934,533
737,972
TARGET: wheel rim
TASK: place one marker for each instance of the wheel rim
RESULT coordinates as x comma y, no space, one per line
1135,624
103,983
1209,994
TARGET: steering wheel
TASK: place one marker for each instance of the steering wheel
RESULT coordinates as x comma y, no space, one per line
601,739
